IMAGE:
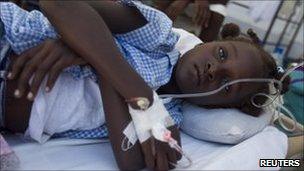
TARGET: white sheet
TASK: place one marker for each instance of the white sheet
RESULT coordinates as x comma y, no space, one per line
64,154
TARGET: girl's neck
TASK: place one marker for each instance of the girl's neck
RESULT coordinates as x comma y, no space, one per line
171,87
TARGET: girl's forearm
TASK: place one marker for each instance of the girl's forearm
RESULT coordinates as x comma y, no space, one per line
114,105
85,31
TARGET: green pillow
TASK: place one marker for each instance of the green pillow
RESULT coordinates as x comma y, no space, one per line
294,98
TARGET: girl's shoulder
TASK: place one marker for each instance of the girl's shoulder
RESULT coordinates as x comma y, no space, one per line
157,32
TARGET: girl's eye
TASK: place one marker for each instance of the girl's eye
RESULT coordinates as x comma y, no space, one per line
225,81
227,88
222,54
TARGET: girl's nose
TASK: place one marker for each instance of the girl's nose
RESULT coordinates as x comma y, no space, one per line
210,70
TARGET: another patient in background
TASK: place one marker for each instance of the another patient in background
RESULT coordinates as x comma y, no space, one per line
208,14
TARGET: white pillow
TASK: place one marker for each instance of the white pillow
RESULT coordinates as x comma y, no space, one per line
229,126
186,41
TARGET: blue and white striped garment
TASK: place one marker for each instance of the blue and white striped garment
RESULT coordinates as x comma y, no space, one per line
149,50
4,50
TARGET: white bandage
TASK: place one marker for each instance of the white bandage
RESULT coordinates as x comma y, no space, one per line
219,8
159,132
130,133
144,121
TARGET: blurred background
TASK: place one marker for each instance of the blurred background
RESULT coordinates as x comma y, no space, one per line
278,23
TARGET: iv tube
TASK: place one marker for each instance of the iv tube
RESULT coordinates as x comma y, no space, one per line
260,80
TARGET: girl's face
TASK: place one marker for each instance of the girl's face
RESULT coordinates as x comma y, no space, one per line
210,65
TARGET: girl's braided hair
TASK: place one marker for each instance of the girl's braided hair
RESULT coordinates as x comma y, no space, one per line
231,32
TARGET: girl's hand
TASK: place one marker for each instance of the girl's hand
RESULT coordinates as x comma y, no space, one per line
159,155
48,58
176,8
203,13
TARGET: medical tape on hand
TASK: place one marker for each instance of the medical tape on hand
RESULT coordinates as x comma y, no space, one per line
130,133
152,122
159,132
144,120
141,123
130,137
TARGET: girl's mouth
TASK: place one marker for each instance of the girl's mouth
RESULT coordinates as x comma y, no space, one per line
201,72
199,75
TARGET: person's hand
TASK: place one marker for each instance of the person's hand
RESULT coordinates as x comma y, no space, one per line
203,14
150,126
159,155
176,8
48,58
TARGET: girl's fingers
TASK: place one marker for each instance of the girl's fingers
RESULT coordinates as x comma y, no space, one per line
166,154
172,159
207,19
28,72
150,158
35,85
147,148
21,60
41,73
199,16
196,14
162,161
54,74
178,154
23,81
202,18
18,65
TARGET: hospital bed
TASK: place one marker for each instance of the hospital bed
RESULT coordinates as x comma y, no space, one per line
79,154
67,154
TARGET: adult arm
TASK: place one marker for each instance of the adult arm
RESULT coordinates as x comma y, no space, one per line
203,14
161,4
95,43
173,8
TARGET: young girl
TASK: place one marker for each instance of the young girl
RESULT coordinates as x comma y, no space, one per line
131,48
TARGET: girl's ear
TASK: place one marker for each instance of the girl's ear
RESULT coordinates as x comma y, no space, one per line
285,84
249,108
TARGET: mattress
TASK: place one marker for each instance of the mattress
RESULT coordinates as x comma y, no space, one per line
71,154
